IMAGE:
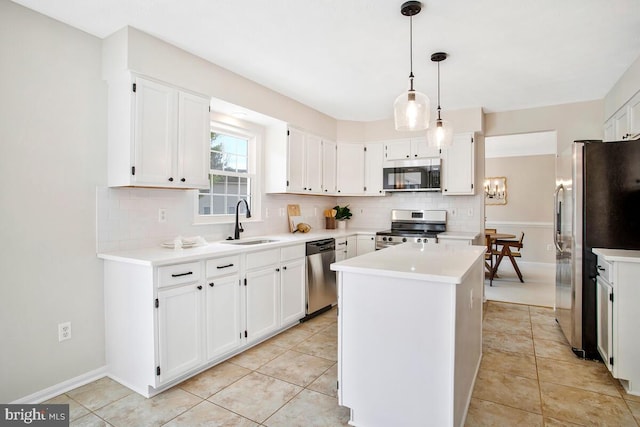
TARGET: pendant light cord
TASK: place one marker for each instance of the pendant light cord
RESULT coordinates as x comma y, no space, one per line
411,51
439,91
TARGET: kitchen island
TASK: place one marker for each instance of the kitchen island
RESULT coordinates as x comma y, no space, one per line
410,334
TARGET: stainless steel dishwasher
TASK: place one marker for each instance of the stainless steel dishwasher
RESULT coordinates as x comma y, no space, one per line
321,289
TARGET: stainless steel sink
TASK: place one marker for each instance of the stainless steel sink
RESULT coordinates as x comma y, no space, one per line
248,242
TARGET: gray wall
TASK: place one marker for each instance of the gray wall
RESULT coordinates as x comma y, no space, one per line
53,139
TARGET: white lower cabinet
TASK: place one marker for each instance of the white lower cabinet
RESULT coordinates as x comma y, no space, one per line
262,302
365,243
223,315
166,323
605,321
618,297
275,290
292,297
180,331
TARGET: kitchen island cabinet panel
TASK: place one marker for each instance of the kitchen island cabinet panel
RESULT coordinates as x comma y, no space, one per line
416,311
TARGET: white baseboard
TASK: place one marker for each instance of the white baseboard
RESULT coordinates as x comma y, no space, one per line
63,387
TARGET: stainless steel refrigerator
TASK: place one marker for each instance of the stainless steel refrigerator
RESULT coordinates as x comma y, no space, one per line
597,205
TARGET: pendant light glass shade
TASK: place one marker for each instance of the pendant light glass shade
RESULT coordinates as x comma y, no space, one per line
440,134
411,111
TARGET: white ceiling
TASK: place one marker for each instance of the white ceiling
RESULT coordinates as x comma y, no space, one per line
350,58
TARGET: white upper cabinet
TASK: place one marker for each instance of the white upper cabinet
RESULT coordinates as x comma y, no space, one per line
194,140
300,167
159,136
351,158
397,150
296,161
625,123
313,165
329,166
374,156
634,116
458,166
409,149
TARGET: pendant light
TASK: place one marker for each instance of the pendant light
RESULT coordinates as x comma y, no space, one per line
411,110
440,133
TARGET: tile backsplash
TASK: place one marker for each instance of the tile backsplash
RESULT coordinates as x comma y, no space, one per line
127,218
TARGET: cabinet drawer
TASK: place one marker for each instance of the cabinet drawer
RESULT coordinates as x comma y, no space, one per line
605,269
263,258
179,273
292,252
222,266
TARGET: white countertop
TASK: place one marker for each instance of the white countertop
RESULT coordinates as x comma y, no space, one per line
459,235
156,256
432,262
620,255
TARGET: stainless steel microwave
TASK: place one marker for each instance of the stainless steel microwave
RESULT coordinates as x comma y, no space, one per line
423,175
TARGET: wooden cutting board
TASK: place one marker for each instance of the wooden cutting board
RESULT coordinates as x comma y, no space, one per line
292,210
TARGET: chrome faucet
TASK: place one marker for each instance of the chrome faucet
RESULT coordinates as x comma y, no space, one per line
239,229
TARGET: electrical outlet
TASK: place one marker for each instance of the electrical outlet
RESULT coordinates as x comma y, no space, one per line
162,215
64,331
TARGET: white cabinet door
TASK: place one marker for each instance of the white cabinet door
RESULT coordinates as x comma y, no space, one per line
171,137
420,149
194,136
397,150
329,165
605,321
621,124
292,288
262,302
313,163
374,156
296,161
180,333
634,115
352,246
609,130
458,166
223,315
365,244
154,133
350,169
341,248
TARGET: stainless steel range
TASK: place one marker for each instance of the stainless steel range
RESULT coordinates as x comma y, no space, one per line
412,226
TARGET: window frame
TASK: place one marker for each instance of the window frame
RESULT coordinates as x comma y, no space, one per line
254,135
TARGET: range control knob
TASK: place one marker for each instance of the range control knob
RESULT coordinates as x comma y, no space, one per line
390,238
419,240
404,239
384,239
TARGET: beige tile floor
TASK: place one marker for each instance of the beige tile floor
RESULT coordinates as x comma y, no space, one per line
528,376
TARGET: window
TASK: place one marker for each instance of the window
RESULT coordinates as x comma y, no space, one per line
232,174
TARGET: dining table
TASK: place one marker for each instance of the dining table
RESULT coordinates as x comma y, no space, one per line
490,238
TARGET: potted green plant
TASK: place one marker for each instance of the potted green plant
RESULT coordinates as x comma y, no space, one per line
343,213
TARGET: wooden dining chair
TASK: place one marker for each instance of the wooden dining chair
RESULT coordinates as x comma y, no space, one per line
511,249
490,254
